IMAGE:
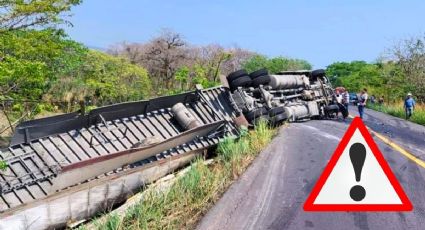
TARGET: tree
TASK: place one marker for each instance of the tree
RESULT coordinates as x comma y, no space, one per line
275,65
132,51
163,56
30,60
22,78
182,76
409,54
339,71
381,79
255,63
21,14
210,58
395,86
237,58
113,79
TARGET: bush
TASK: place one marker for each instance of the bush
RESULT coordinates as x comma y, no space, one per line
397,110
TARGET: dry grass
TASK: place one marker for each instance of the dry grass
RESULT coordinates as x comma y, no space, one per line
397,110
194,193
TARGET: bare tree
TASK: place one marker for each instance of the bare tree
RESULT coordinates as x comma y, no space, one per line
163,55
410,56
237,57
132,51
211,58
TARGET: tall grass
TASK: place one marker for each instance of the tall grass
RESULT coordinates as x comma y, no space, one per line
191,196
397,110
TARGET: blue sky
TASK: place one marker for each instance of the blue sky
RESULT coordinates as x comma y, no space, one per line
321,31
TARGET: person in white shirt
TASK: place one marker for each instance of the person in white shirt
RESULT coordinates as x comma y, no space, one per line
339,98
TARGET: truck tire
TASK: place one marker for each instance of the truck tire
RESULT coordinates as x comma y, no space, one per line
318,73
331,110
275,111
278,119
261,80
256,94
243,81
252,115
259,73
235,75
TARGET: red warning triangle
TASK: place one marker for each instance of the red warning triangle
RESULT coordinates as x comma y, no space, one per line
357,178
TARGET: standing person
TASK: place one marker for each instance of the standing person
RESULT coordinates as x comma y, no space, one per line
343,103
338,98
409,106
362,102
346,99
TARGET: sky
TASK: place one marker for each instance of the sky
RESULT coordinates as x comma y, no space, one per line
319,31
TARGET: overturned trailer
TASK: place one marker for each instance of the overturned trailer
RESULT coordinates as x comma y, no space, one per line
70,167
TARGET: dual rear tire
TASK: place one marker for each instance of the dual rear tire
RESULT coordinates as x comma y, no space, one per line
241,78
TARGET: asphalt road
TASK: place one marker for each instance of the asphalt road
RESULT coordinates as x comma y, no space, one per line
272,192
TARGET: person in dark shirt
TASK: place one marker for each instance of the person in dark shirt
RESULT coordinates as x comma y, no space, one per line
409,106
362,102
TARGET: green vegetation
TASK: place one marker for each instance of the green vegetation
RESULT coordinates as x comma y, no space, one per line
381,79
175,66
402,71
20,14
275,65
46,65
43,71
3,165
391,77
32,60
397,110
184,203
103,79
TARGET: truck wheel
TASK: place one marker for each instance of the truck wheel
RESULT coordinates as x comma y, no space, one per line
275,111
331,110
235,75
261,80
243,81
278,119
318,73
252,115
259,73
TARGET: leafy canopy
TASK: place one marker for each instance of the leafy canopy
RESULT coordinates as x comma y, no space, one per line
114,79
21,14
381,79
275,65
30,60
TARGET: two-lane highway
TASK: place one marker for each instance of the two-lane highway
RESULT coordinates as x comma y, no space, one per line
271,193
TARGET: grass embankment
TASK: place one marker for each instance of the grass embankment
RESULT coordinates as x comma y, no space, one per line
181,206
397,110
